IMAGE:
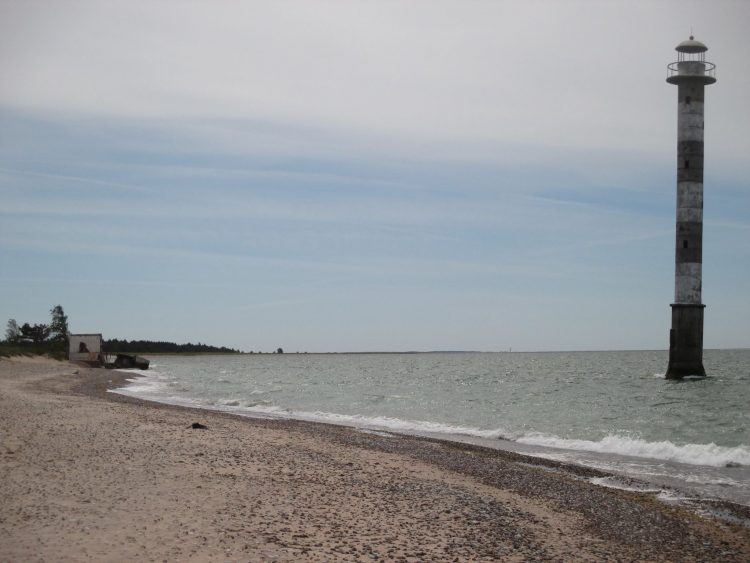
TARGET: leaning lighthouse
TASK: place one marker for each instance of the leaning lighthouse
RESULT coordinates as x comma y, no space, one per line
691,73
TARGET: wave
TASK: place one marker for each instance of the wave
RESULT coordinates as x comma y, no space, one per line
693,454
150,388
380,422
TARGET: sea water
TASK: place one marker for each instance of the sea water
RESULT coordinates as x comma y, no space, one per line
609,410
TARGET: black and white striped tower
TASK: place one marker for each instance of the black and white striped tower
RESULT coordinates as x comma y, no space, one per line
691,73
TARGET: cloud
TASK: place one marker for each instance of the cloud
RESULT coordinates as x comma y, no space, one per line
522,72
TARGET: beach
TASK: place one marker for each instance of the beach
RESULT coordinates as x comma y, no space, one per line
91,475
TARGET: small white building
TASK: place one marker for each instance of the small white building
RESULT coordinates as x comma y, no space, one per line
85,348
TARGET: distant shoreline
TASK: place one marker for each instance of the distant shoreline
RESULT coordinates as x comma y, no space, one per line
409,352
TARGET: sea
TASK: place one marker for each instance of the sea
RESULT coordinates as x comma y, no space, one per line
612,411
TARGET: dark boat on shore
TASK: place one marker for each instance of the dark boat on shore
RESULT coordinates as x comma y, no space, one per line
128,361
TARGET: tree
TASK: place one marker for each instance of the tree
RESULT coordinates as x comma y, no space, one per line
13,332
59,325
280,351
37,333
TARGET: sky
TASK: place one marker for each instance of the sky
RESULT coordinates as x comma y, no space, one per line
366,175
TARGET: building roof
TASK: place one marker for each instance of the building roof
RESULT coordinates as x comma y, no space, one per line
691,46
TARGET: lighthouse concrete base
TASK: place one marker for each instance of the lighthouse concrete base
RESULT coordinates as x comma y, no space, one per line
686,341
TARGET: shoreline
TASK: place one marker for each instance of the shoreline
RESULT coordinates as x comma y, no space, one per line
714,507
722,489
257,488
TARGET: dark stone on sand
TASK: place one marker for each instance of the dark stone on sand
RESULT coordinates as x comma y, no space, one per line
199,426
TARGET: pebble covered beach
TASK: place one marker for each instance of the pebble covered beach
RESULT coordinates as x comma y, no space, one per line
91,475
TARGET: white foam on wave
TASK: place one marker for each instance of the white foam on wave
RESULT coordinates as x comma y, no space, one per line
613,482
674,497
379,422
693,454
148,384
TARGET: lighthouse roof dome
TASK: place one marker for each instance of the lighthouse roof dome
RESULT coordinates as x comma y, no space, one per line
691,46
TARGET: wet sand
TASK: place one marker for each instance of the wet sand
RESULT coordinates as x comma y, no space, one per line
90,475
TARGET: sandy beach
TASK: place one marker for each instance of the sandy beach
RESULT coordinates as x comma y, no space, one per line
88,475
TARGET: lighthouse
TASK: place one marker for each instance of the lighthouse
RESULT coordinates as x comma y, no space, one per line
691,73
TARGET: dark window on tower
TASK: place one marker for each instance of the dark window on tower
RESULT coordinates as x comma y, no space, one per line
688,99
684,244
687,164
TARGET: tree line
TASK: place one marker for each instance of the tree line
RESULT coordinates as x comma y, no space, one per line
115,346
52,339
